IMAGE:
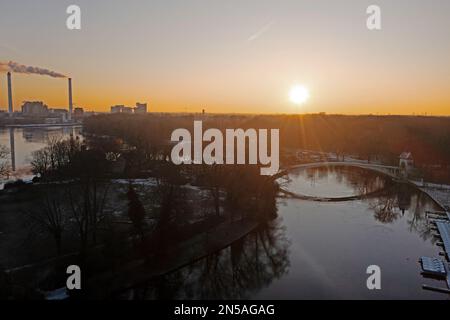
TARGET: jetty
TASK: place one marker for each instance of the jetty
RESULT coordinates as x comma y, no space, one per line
436,267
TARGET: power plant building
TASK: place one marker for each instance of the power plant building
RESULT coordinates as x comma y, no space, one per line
70,100
37,109
117,109
10,99
34,108
141,108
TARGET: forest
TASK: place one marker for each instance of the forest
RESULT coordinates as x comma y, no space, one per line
366,137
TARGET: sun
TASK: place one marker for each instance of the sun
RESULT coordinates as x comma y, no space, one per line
298,94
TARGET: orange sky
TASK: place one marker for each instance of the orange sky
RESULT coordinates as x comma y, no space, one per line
189,56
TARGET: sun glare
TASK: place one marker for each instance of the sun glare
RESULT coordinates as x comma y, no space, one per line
298,94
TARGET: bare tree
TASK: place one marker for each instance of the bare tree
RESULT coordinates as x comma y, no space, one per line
87,206
136,211
56,157
49,217
41,162
213,175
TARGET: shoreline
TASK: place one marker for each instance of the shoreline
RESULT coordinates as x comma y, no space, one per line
41,125
177,257
138,271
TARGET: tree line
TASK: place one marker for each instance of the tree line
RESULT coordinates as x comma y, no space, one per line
366,137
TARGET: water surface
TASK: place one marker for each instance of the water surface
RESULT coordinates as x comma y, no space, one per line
22,142
319,250
333,182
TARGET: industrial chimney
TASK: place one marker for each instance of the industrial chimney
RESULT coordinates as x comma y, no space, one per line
70,100
10,99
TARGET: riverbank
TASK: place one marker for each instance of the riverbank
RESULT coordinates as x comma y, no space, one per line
174,258
149,267
440,195
119,262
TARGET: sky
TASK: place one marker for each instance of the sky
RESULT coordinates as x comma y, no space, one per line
232,55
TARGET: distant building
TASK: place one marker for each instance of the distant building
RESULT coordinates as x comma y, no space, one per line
89,113
58,111
127,110
78,113
34,108
140,108
117,109
406,161
121,109
57,115
54,120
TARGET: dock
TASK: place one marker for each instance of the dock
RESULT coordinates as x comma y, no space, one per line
439,193
444,233
435,267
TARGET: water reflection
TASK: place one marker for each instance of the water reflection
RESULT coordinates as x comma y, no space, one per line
333,182
404,201
12,148
236,272
22,142
318,250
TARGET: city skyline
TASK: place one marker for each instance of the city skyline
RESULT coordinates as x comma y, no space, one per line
232,57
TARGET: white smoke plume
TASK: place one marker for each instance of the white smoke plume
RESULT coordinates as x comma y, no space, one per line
12,66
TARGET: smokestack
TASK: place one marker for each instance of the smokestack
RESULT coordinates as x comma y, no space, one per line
70,99
10,99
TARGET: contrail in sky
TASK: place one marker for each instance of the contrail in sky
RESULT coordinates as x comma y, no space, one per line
261,31
20,68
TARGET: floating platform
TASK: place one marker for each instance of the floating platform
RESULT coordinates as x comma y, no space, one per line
444,232
433,267
436,268
439,214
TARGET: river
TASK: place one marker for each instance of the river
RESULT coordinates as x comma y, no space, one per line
312,250
319,250
21,142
